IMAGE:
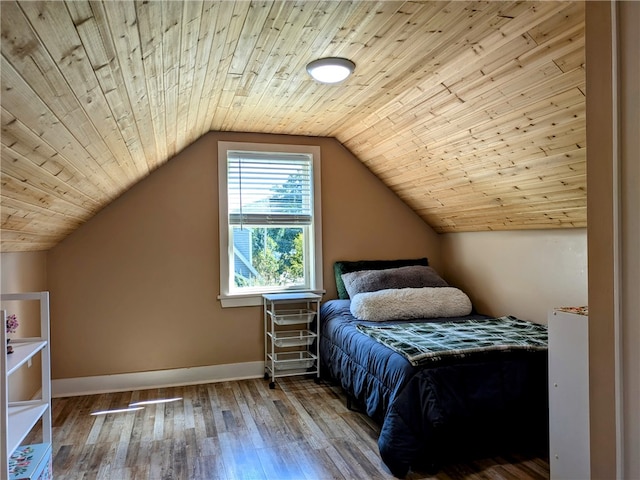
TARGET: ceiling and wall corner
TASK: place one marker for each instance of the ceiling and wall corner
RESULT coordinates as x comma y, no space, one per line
472,112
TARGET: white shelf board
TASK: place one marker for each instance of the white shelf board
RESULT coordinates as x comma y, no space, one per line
22,418
22,352
289,297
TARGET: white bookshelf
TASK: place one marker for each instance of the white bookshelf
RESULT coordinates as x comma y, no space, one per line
18,418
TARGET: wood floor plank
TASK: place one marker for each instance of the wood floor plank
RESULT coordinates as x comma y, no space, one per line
315,463
238,430
239,461
344,463
278,462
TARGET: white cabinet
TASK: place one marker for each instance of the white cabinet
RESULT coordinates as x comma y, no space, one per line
18,418
290,341
569,456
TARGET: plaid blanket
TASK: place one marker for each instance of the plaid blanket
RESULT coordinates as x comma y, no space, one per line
431,341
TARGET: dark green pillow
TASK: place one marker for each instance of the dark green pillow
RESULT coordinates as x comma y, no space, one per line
355,266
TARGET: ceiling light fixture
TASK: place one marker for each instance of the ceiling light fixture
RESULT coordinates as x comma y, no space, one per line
330,69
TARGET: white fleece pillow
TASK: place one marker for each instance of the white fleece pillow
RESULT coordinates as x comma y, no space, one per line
410,303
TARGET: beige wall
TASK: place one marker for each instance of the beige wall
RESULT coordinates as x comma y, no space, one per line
135,288
629,15
522,273
613,237
24,272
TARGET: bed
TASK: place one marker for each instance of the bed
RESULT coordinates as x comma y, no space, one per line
433,405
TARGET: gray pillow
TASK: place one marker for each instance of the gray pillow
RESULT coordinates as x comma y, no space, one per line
346,266
415,276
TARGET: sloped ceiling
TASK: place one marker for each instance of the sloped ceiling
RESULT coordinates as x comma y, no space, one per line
472,112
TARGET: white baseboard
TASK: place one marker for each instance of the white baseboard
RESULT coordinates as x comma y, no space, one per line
70,387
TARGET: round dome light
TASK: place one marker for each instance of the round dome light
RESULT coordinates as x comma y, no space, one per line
331,69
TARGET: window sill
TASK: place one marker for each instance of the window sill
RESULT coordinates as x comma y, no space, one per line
254,299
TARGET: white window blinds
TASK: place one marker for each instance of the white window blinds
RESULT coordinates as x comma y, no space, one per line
269,188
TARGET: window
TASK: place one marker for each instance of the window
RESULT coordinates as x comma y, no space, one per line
270,232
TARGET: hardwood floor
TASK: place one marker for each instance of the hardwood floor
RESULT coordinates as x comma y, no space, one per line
236,430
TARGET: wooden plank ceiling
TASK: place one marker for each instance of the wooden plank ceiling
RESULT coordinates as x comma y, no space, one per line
472,112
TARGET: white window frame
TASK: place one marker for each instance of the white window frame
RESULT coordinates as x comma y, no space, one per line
226,297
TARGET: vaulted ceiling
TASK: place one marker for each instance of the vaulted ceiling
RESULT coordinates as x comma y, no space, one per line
472,112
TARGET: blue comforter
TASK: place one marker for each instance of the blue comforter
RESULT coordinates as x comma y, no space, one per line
429,414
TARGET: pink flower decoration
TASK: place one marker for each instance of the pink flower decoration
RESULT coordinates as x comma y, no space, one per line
12,323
